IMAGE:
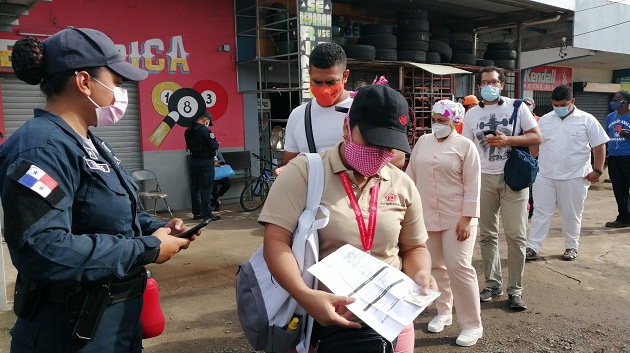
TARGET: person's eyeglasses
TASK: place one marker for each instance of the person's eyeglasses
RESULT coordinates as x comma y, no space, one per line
494,83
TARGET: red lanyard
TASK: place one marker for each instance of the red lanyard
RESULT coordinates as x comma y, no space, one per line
367,236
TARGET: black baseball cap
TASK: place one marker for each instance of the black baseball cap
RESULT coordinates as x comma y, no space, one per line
206,114
78,48
382,116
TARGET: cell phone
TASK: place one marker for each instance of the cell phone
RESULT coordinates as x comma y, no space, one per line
192,231
490,132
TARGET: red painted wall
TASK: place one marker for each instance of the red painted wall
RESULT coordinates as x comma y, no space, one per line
176,41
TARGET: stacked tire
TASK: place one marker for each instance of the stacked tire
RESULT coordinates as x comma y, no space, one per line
439,46
382,38
502,54
413,35
461,42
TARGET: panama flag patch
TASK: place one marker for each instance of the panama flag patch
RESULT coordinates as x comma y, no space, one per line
39,181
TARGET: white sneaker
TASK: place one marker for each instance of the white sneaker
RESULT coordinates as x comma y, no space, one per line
438,322
469,337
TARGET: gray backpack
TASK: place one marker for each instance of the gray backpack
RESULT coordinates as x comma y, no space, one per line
264,307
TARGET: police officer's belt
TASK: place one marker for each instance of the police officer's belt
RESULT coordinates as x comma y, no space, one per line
129,287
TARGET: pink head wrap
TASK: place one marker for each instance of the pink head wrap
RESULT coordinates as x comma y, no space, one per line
450,109
377,81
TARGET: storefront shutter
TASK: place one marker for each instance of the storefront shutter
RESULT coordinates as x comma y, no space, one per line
594,103
19,99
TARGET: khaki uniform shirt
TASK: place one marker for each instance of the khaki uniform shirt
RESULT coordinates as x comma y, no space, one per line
447,175
399,217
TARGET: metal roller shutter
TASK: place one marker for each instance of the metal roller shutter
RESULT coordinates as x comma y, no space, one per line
19,99
594,103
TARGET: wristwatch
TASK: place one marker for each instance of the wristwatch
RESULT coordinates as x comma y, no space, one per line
598,171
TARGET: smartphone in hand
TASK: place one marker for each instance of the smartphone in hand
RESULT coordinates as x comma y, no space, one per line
192,231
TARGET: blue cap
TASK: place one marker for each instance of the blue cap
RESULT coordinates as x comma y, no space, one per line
78,48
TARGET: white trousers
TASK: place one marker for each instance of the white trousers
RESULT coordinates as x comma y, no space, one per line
569,196
455,276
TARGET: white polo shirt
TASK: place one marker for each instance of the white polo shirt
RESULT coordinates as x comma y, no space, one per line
327,125
565,152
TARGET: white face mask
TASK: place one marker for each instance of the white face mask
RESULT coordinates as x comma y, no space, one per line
531,108
111,114
440,130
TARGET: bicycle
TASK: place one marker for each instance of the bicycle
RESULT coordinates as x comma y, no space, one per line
255,192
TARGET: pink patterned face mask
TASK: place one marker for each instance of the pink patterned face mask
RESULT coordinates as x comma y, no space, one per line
367,160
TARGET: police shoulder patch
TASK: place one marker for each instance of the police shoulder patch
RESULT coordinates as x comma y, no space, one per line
38,181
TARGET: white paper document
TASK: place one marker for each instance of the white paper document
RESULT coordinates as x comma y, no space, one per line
387,299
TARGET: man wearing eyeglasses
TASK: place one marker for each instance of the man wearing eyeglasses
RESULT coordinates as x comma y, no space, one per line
489,126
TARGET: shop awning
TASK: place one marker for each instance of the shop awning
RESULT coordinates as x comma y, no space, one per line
439,69
432,68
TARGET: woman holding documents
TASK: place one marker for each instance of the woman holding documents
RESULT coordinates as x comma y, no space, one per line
359,185
445,167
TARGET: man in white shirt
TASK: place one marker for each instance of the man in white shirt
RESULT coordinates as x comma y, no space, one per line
489,125
328,74
565,173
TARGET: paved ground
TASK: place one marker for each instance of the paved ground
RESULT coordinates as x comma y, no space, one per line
580,306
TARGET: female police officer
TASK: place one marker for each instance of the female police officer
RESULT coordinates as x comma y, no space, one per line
72,222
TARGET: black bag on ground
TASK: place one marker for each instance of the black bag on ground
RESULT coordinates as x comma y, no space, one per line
520,168
336,339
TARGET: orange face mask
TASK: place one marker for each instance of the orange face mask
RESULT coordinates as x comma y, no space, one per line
327,95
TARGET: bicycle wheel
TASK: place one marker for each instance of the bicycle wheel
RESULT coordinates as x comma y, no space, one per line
254,194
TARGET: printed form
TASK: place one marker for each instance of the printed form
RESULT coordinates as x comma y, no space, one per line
387,299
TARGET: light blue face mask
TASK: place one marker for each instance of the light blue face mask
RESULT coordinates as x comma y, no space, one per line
490,93
561,111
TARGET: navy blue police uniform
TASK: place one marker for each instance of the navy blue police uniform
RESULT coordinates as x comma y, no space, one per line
77,238
203,146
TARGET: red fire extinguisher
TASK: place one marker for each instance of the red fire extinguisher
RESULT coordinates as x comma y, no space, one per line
151,317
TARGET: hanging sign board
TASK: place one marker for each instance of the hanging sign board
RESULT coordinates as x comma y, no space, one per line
315,18
546,78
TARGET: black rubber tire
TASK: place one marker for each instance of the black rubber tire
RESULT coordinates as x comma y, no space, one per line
464,58
417,56
386,54
413,25
343,41
414,36
445,51
360,52
506,64
461,37
379,41
484,62
433,57
500,54
441,39
376,28
439,31
500,46
254,194
412,13
412,45
461,46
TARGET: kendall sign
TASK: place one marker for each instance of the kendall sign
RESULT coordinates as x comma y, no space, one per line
546,78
